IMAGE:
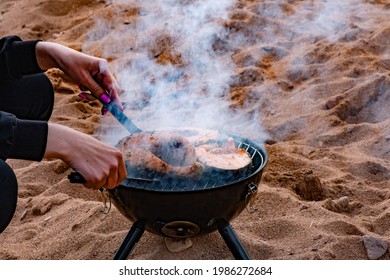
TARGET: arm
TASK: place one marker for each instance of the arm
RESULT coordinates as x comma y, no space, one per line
21,139
100,164
17,58
87,71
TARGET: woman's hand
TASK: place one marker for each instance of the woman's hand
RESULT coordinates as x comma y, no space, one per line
87,71
101,165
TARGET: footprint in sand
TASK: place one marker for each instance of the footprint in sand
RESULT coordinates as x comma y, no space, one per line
342,228
381,225
365,103
42,205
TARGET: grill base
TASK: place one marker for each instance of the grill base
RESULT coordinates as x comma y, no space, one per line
183,208
224,228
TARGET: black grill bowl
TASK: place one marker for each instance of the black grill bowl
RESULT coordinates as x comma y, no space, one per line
171,208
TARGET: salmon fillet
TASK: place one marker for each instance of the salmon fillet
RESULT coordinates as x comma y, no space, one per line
225,156
160,152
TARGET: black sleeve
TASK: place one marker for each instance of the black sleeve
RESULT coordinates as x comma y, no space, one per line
22,139
17,58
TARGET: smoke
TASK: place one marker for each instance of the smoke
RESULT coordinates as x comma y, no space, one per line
188,91
174,58
173,66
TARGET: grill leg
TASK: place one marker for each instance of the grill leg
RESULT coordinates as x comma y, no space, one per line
232,241
130,241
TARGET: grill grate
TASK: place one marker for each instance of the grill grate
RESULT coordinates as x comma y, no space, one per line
210,180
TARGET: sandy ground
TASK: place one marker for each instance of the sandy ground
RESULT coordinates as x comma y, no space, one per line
309,78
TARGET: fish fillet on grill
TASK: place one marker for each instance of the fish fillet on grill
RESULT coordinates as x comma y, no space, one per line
160,152
223,156
214,149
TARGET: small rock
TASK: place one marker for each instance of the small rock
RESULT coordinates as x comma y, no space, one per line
176,245
344,201
375,247
303,207
340,205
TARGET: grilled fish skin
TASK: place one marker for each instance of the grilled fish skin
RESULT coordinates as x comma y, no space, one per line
160,152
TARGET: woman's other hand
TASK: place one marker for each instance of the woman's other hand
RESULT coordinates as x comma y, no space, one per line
101,165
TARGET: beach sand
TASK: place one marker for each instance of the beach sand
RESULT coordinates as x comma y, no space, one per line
317,71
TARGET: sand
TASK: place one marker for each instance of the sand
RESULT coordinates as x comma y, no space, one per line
318,73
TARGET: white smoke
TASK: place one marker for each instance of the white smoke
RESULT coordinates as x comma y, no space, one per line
192,86
191,92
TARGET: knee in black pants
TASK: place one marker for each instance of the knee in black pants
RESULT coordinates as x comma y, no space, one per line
8,194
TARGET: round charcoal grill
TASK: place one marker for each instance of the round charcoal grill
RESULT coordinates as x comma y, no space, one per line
182,208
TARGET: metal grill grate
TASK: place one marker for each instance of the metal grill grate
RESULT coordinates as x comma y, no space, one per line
209,180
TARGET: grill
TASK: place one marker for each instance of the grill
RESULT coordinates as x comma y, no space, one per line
182,208
211,179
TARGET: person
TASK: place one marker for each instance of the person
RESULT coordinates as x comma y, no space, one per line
26,104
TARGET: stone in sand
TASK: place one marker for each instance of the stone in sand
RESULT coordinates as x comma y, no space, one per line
176,245
375,247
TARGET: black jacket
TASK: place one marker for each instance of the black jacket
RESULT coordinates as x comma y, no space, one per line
21,139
